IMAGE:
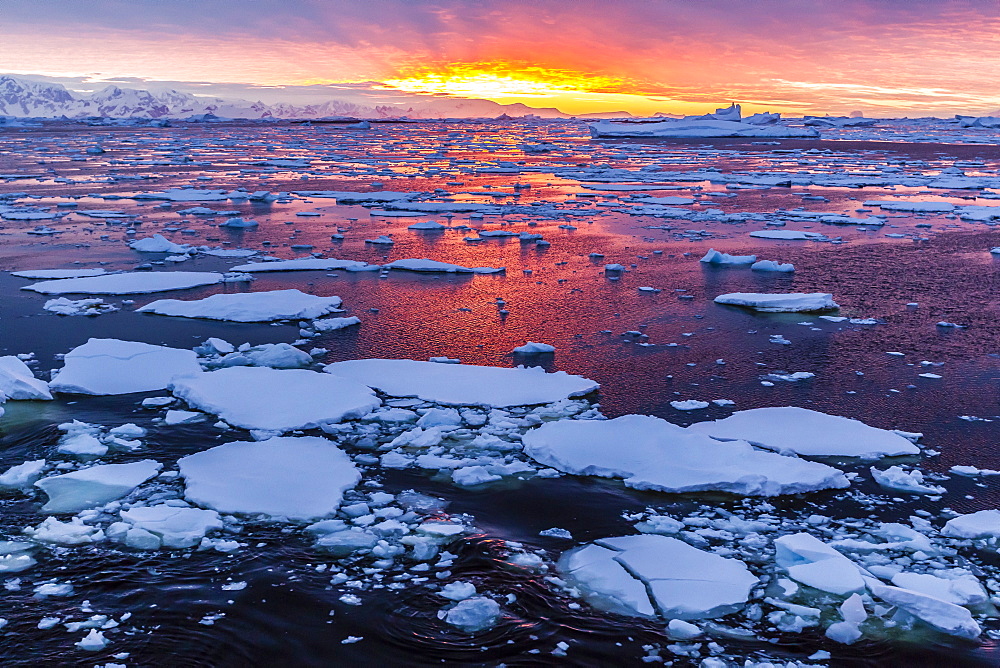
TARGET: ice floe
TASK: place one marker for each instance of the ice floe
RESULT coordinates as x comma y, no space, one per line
652,454
808,433
276,400
795,302
94,486
112,366
462,384
249,306
128,283
299,479
306,264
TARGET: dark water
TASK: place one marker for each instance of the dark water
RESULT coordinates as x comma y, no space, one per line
289,613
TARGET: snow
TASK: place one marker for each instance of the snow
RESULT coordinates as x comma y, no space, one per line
413,264
795,302
815,564
786,235
112,366
276,400
808,433
41,274
157,244
981,524
137,282
94,486
301,479
652,454
306,264
175,527
715,257
462,384
689,127
249,306
646,573
18,383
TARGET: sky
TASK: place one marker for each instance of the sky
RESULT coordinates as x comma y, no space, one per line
880,57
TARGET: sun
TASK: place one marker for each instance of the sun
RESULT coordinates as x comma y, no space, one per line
501,80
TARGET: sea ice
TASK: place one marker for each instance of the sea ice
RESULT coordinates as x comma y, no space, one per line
652,454
43,274
808,433
426,265
787,235
157,244
462,384
981,524
812,562
473,614
18,383
667,575
175,527
941,615
276,400
300,479
715,257
249,306
111,366
137,282
306,264
94,486
795,302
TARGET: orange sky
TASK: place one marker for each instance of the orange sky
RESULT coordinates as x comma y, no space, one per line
884,57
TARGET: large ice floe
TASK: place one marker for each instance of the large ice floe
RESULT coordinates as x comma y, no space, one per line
650,453
94,486
249,306
112,366
45,274
464,385
795,302
275,401
658,575
300,479
137,282
808,433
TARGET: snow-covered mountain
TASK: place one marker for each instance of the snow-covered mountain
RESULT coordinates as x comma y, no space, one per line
23,98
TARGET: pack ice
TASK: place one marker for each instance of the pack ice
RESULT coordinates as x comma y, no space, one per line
651,574
793,302
808,433
248,306
276,400
653,454
298,478
112,366
462,384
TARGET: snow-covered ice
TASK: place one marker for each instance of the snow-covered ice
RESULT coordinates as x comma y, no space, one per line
298,478
463,384
249,306
94,486
111,366
138,282
795,302
276,400
807,432
652,454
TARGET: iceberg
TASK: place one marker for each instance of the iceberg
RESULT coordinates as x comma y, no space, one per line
298,478
463,384
808,433
715,257
112,366
652,454
157,244
706,128
249,306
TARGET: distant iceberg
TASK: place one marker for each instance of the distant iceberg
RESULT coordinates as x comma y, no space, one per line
725,122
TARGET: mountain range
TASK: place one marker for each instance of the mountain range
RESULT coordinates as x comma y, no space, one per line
24,98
